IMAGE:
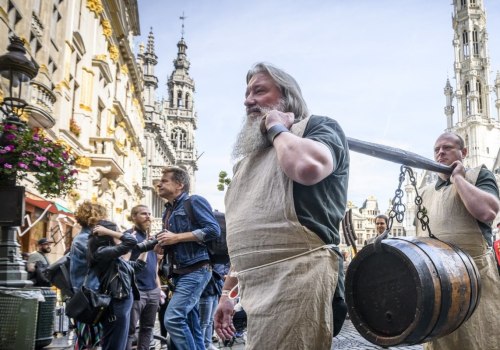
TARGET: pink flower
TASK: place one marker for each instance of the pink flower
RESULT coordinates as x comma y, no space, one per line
8,166
9,148
35,163
10,137
45,150
22,165
41,158
10,127
36,137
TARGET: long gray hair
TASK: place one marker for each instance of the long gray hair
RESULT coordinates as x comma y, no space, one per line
290,90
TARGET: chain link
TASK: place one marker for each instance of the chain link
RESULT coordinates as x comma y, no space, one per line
398,208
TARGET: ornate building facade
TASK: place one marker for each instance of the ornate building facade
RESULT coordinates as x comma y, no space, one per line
95,95
170,123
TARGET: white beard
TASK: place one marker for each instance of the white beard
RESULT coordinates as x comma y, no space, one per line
250,138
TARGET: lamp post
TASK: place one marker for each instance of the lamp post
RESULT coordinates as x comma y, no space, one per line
16,72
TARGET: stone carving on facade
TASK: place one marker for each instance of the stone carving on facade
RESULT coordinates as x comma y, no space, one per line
95,6
114,54
106,28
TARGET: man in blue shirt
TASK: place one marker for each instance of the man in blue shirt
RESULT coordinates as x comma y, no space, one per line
144,310
182,239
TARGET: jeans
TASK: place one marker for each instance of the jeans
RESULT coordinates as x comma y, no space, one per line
207,304
182,317
144,311
115,329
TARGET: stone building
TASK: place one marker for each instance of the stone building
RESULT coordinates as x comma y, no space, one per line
95,95
363,223
170,124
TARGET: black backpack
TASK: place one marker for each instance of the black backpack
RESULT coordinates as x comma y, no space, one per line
58,274
217,248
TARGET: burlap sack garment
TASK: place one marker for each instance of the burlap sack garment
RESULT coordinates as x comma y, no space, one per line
288,304
450,221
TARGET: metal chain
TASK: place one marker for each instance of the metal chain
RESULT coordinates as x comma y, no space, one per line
398,208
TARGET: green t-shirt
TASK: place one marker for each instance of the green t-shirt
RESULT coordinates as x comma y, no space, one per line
321,207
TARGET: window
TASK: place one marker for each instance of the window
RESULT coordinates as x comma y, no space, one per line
480,97
463,3
475,43
56,17
98,123
465,43
14,16
187,104
467,98
34,44
179,99
179,138
51,66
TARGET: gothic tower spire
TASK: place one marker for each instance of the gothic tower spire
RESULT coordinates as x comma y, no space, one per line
149,61
474,122
181,115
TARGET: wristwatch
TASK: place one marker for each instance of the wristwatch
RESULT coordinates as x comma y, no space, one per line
275,130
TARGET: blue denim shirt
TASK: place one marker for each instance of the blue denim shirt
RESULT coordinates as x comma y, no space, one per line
205,228
78,267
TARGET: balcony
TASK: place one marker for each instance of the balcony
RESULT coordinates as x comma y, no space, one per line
41,107
106,152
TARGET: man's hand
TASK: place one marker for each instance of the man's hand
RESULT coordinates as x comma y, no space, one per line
276,117
167,238
458,170
223,318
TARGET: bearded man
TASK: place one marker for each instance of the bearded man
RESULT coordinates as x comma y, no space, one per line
38,262
283,209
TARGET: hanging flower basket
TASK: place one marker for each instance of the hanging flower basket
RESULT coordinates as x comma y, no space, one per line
24,150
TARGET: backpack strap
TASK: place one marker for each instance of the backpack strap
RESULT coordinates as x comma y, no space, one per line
188,207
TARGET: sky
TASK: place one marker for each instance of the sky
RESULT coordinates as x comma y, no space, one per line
378,67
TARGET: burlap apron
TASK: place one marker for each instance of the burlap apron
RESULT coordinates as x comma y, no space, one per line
288,303
450,221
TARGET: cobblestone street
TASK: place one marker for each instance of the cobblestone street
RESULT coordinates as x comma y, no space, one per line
348,339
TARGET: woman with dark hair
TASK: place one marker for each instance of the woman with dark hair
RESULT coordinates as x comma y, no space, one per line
87,337
116,276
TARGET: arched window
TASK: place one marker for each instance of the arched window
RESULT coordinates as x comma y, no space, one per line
179,138
475,43
465,43
171,102
187,104
480,98
463,3
179,99
467,98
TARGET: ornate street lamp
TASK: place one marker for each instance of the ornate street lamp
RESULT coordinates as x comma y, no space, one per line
16,72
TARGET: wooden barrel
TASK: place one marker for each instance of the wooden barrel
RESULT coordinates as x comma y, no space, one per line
410,291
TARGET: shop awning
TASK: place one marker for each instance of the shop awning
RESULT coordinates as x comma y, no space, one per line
43,204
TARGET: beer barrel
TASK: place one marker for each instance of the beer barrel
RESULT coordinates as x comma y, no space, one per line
411,290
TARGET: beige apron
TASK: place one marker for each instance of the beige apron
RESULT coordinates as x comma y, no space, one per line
288,303
450,221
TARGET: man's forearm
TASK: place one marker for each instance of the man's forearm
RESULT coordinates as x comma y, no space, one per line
482,205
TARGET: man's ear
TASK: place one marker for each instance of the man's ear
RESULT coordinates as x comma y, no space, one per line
464,151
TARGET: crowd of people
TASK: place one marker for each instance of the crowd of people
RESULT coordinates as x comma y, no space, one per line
284,205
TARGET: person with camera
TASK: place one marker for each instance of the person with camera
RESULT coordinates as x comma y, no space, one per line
190,268
144,310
